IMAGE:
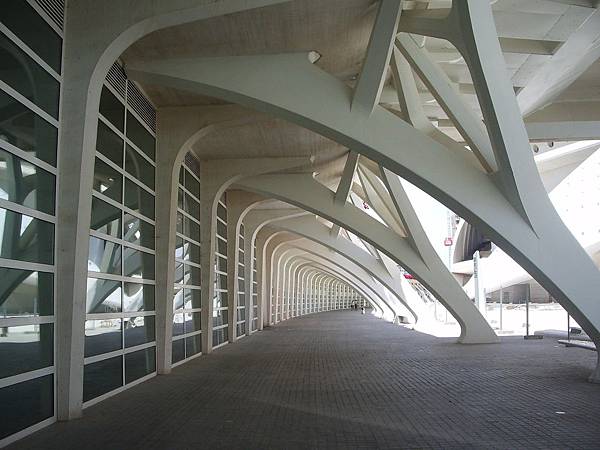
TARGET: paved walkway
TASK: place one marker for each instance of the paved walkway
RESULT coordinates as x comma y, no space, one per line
343,380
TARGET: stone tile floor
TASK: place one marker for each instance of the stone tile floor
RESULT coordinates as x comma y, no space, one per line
343,380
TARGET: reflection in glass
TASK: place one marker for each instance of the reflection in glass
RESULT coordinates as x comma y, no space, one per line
139,330
191,229
23,183
102,377
109,144
24,404
138,134
222,247
24,348
219,317
25,238
192,322
138,264
104,256
193,345
177,324
138,231
192,185
178,299
220,336
102,336
112,108
138,199
138,297
28,78
105,218
192,298
192,275
29,26
26,130
178,273
177,351
192,207
103,296
25,293
107,181
139,364
139,167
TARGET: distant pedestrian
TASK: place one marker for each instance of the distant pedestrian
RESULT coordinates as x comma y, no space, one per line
362,309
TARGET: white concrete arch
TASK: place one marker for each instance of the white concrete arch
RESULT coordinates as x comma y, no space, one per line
507,204
353,279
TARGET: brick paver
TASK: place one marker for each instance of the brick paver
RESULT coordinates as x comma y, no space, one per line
343,380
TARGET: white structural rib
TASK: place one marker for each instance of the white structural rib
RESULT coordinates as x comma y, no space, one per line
573,58
372,75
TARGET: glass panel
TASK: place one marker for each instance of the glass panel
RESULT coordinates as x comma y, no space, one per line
104,256
221,229
191,229
180,223
105,218
179,249
112,108
192,298
138,199
180,195
34,31
102,336
178,273
102,377
220,336
222,247
177,324
192,207
138,264
177,351
138,297
181,175
221,281
26,293
26,239
139,167
192,252
241,286
192,185
241,314
178,299
221,212
138,231
108,181
139,364
109,144
139,330
25,76
222,264
140,136
192,322
25,184
219,317
25,404
25,348
103,296
24,129
192,275
241,328
193,345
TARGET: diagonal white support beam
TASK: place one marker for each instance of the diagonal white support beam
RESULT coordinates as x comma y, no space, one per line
440,86
343,190
372,75
574,57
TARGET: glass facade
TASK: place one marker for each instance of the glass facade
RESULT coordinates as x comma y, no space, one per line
220,300
187,339
120,330
30,80
241,300
254,291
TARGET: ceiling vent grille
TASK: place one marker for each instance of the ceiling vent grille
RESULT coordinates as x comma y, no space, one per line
140,104
117,79
192,163
55,10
